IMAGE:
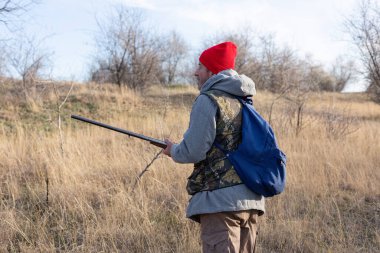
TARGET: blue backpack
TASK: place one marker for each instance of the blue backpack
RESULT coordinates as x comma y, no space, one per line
258,161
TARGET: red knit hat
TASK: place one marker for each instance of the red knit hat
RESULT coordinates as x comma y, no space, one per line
219,57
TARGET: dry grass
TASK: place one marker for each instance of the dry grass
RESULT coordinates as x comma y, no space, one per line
82,200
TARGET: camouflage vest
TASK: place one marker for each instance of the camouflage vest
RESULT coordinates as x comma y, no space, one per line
216,171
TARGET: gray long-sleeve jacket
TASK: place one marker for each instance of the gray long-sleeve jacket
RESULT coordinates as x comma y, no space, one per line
199,138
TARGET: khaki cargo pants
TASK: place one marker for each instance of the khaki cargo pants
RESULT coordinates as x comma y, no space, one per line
232,232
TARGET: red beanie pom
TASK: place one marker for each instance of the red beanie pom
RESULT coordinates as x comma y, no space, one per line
219,57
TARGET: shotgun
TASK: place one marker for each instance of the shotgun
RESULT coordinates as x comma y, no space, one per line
153,141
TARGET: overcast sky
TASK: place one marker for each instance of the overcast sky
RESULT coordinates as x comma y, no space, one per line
309,26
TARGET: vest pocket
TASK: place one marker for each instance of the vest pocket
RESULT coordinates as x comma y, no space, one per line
195,182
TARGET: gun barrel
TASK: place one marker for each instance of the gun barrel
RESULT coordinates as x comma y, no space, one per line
153,141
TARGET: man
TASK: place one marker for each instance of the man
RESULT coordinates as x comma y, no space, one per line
226,209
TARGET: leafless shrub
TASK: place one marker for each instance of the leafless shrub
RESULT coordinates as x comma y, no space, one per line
342,72
296,108
280,118
30,62
338,125
274,100
298,91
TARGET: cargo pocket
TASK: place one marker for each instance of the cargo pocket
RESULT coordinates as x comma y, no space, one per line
217,242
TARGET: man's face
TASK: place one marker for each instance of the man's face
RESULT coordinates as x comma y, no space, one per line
202,74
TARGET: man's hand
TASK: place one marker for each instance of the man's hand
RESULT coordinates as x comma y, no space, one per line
168,147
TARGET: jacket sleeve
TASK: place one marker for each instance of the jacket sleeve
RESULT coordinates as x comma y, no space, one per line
200,135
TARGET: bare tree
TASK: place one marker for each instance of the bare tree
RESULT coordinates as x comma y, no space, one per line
13,8
279,69
9,11
342,72
364,28
127,52
28,60
173,54
279,65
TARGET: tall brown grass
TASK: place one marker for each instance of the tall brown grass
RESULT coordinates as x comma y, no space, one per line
83,200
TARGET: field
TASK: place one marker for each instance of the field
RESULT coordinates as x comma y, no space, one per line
71,187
